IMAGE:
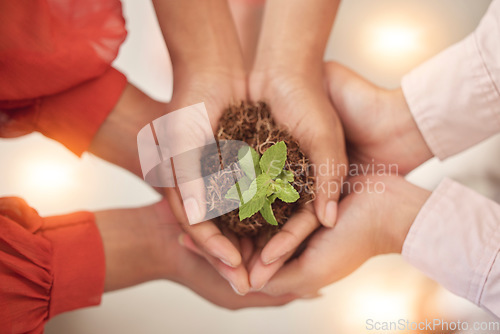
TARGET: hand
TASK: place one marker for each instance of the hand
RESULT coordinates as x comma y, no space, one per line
378,124
216,90
208,67
298,101
368,225
143,244
116,142
288,75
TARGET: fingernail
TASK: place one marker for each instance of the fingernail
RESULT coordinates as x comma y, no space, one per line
312,296
180,239
226,262
268,262
330,214
218,254
259,287
235,289
192,211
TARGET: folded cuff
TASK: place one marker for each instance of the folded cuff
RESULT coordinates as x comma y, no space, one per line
455,240
78,263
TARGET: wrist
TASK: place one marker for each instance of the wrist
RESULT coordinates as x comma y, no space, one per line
416,150
164,230
406,202
116,139
208,70
217,88
128,241
283,79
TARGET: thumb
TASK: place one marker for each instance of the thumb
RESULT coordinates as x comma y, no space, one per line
182,136
330,168
349,92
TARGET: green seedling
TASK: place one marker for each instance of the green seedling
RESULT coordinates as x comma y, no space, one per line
265,180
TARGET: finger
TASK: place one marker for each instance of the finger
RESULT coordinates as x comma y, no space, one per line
206,235
186,241
237,277
259,244
232,237
331,169
307,273
293,277
330,255
193,196
326,150
174,200
211,240
261,273
282,246
344,87
181,137
198,275
291,235
247,250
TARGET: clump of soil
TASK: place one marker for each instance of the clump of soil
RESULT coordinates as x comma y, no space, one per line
253,124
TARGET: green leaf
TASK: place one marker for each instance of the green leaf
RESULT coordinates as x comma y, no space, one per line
273,160
267,213
287,193
255,196
258,188
272,198
234,193
251,207
248,159
287,176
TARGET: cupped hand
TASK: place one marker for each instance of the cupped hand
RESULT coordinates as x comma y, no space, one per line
298,101
176,263
379,127
216,89
373,219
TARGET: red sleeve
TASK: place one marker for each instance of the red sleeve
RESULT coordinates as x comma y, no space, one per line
71,117
55,74
48,46
47,265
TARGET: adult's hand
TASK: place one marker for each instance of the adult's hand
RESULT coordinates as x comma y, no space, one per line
288,75
378,124
142,244
116,142
373,219
208,67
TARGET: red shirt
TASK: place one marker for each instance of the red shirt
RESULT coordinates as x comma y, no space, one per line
55,78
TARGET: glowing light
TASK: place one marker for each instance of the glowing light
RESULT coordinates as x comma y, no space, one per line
395,40
383,305
47,175
380,303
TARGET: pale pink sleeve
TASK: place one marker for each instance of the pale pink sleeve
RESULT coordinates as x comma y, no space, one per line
454,97
455,240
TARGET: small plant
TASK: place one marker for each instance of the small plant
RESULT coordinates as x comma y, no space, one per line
265,180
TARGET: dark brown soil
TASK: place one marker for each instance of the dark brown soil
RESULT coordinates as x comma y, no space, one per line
253,124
